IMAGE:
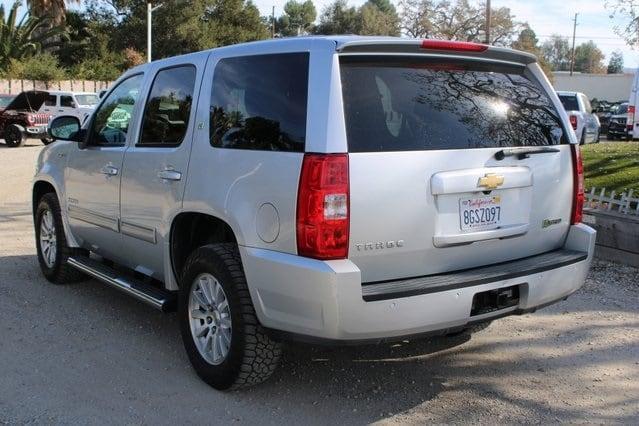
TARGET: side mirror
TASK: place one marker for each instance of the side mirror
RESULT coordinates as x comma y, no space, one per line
66,128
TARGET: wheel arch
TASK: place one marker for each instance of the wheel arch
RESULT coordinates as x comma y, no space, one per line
42,185
190,230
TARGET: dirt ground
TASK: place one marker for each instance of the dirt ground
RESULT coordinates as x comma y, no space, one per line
84,353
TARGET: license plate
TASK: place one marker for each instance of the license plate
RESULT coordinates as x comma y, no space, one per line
480,214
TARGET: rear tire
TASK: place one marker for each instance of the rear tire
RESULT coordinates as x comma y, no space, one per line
51,243
583,138
225,354
13,136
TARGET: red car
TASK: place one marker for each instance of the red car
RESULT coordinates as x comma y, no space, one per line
21,120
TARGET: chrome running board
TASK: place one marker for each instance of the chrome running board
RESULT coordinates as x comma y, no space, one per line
156,297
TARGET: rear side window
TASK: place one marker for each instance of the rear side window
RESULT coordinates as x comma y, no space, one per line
569,102
407,104
166,116
259,102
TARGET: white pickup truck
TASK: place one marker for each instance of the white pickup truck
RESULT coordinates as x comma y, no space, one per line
585,124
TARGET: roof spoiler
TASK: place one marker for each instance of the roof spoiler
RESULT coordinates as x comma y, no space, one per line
441,47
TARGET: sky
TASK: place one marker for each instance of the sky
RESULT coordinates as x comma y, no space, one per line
545,17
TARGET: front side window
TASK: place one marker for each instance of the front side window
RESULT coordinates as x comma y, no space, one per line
50,100
168,108
410,104
67,101
113,117
259,102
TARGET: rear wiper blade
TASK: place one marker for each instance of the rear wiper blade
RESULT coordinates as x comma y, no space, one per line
523,152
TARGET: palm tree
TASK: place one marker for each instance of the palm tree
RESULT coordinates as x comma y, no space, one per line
55,9
26,37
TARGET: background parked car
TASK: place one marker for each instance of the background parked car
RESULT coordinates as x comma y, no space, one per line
5,100
78,104
584,122
21,119
617,122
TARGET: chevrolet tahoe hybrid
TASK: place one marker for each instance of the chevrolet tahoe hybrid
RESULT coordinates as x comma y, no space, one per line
327,189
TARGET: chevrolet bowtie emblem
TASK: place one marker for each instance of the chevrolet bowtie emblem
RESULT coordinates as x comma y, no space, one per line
490,181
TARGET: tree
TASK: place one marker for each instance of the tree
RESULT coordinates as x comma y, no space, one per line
339,18
456,20
54,9
25,38
557,52
615,65
41,67
626,11
527,41
589,58
298,18
379,17
180,26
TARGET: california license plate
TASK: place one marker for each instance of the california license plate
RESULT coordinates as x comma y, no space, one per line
480,214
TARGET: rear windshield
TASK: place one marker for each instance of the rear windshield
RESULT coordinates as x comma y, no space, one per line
620,109
400,104
569,102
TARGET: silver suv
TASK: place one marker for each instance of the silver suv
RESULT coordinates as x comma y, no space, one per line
331,189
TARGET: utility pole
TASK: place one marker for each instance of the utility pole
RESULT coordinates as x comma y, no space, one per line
572,56
488,13
273,23
149,17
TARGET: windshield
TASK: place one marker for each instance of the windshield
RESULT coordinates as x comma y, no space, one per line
569,102
87,99
402,104
5,100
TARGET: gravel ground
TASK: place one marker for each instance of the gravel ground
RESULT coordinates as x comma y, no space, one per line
85,353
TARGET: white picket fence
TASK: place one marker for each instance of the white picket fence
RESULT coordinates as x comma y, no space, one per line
624,203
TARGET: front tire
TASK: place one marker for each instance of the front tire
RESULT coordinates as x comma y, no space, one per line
47,141
223,338
51,243
13,136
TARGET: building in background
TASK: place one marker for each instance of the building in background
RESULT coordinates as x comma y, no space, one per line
603,87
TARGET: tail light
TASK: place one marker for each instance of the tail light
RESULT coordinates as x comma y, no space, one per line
323,207
631,117
573,122
578,186
459,46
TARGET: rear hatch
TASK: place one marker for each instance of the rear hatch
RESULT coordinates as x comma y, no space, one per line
438,179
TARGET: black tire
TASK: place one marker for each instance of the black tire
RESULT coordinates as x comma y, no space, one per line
13,136
252,355
610,137
58,271
583,138
47,141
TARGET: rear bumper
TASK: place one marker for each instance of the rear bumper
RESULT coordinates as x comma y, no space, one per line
326,300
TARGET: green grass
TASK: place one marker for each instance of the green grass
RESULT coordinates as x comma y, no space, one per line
612,165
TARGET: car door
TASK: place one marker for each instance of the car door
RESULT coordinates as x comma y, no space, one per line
94,171
50,104
590,121
68,106
155,165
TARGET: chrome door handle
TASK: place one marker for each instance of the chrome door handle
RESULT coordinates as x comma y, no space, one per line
109,170
170,174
